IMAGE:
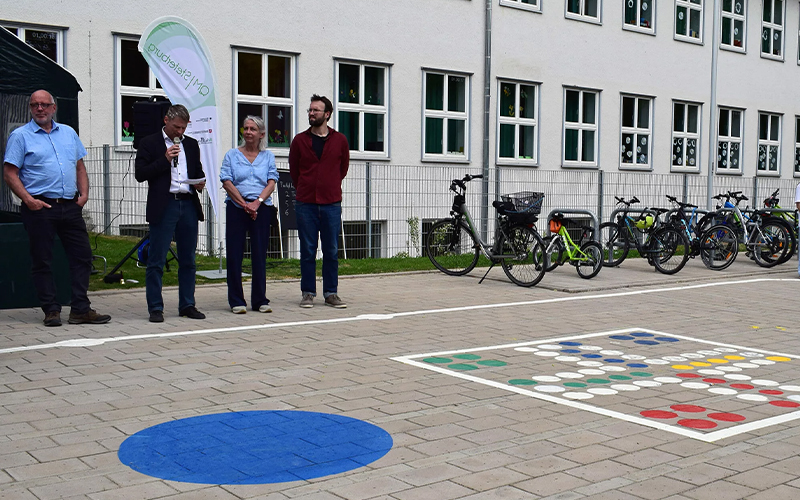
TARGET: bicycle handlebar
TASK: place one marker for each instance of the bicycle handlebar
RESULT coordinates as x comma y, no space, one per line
628,203
462,183
679,203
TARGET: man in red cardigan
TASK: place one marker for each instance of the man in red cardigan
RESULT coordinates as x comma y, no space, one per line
318,162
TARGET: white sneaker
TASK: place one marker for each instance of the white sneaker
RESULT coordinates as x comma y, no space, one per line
264,308
239,310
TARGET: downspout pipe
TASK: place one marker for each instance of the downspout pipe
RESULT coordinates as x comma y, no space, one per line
712,122
487,91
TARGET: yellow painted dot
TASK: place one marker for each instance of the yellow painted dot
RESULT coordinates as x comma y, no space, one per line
717,361
736,358
778,358
683,367
699,363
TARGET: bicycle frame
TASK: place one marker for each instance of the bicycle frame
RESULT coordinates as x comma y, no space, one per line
574,251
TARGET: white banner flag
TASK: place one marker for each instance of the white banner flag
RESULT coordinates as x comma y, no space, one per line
181,61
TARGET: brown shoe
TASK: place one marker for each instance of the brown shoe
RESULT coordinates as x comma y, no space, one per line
53,318
90,316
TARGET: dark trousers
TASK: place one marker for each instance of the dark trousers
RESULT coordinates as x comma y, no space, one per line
179,219
321,222
66,221
237,226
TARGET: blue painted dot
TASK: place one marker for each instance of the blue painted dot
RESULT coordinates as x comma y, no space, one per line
621,337
641,334
637,365
591,356
646,342
254,447
614,360
570,343
668,339
571,351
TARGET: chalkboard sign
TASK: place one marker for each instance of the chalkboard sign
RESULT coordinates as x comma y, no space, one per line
286,196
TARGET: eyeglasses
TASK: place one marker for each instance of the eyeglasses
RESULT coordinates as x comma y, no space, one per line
43,105
312,110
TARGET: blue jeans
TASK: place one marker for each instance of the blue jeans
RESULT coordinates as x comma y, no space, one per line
323,222
236,228
180,220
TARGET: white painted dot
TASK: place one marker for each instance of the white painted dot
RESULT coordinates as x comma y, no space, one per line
752,397
546,378
763,362
725,349
589,363
600,391
765,383
668,380
790,388
746,365
592,371
608,352
551,347
794,397
737,376
526,349
674,358
722,391
710,371
633,357
728,368
591,348
577,395
695,385
751,354
625,387
567,359
549,388
569,375
656,362
647,383
547,354
702,353
612,368
694,355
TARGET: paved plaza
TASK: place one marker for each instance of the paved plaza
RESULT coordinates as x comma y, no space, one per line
632,385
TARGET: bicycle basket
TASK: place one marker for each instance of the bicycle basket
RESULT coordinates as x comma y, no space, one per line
525,201
645,222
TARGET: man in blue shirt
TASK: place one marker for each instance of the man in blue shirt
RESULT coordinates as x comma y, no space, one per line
43,166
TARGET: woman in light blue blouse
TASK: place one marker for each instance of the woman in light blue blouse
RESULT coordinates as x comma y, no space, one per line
248,175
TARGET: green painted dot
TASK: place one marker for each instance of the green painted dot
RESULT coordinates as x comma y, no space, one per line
619,377
470,357
641,374
574,384
438,360
522,381
598,381
492,362
462,366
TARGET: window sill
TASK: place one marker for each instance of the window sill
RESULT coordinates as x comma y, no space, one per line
733,48
635,168
728,172
510,162
639,29
591,166
445,159
772,57
367,157
522,6
683,170
583,19
688,39
762,173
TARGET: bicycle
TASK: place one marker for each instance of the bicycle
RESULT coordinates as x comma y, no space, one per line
664,247
560,249
454,247
775,210
717,246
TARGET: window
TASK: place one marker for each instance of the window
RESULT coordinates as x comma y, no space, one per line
769,143
534,5
685,136
637,129
48,41
689,20
135,82
362,107
580,127
729,140
796,146
445,124
264,83
584,10
639,15
734,24
518,119
772,29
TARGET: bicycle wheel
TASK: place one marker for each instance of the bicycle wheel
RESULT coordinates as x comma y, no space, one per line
669,250
452,247
771,244
555,255
792,239
719,246
613,243
593,262
528,267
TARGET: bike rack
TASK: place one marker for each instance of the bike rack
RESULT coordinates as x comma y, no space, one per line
565,211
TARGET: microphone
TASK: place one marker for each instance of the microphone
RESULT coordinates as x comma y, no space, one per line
176,141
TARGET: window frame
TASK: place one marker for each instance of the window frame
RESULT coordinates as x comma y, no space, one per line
767,143
733,17
446,115
773,27
121,91
583,17
637,28
580,126
517,4
689,6
686,136
264,99
58,30
517,122
362,108
636,131
730,139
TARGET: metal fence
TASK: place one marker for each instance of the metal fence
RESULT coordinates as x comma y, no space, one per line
387,209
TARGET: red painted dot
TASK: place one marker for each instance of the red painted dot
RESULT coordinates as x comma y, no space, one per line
696,423
742,386
715,380
726,417
785,404
688,408
688,375
659,414
772,392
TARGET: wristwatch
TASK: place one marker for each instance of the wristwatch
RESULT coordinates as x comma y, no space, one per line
260,199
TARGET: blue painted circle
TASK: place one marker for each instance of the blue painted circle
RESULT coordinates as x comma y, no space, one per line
646,342
254,447
667,339
571,351
638,365
570,343
621,337
591,356
614,360
641,334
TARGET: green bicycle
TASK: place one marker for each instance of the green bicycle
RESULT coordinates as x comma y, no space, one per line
560,249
